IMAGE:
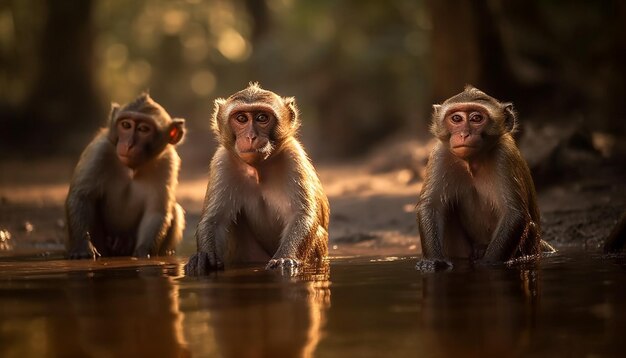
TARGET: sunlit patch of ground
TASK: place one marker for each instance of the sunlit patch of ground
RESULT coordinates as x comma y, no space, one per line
370,212
372,203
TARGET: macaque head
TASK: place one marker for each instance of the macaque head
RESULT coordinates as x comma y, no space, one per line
141,130
254,123
471,121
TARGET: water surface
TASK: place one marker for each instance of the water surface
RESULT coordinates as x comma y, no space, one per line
571,304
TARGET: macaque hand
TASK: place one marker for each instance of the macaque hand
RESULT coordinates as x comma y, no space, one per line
202,263
84,250
283,263
425,265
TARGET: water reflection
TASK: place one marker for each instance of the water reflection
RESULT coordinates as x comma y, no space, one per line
570,304
479,312
256,313
91,313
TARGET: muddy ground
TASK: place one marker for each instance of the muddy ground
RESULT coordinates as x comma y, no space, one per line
579,177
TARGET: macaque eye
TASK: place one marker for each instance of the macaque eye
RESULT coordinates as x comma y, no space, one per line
241,118
476,118
126,124
456,118
144,128
262,118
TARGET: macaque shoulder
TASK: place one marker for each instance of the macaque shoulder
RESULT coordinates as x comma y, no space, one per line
296,162
99,149
100,153
163,168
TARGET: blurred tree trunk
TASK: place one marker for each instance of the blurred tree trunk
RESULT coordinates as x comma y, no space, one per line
467,48
616,116
260,14
261,62
64,99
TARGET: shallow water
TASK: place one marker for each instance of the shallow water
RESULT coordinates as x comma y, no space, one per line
570,304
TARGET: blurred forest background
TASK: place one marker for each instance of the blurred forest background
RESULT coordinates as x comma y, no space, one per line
361,70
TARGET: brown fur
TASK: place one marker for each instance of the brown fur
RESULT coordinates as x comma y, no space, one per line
115,210
483,205
271,209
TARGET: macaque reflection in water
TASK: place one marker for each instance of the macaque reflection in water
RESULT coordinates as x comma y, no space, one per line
131,316
492,314
253,318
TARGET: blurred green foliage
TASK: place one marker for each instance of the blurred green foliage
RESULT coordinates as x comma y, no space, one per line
360,70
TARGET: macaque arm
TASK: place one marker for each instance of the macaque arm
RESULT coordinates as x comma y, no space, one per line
298,230
507,236
218,208
513,221
82,200
431,218
215,219
158,216
302,225
432,206
210,240
211,235
83,226
431,223
431,212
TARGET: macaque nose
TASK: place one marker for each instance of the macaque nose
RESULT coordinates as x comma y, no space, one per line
126,144
464,135
251,137
131,141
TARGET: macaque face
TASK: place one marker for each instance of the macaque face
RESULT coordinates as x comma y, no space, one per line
252,131
136,137
466,124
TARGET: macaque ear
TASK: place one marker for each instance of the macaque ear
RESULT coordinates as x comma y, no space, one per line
215,117
436,127
176,131
469,88
290,103
510,118
115,109
436,109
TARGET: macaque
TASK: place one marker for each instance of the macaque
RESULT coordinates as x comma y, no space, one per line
121,200
264,201
478,199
